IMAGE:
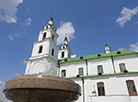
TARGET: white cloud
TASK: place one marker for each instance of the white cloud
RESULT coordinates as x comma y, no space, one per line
27,22
24,61
17,35
65,27
126,15
13,36
28,9
135,23
121,49
72,56
2,96
18,74
1,84
8,10
10,37
132,47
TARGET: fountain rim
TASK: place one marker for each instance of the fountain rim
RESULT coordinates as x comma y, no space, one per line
49,83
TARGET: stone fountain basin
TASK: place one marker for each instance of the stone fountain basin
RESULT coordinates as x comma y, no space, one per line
41,88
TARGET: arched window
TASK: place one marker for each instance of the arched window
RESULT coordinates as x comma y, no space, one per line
62,54
122,67
44,36
100,88
63,73
52,53
131,87
100,69
40,49
80,71
53,37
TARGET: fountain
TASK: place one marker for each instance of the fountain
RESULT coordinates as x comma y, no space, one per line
41,88
44,87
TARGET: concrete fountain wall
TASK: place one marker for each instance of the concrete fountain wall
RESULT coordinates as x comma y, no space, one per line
41,88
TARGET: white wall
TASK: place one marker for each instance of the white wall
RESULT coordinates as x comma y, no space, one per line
43,66
115,89
56,48
115,86
46,48
49,33
72,69
79,81
105,62
131,62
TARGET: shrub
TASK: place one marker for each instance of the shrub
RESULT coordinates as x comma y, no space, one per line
125,71
100,73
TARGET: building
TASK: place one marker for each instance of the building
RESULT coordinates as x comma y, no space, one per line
111,76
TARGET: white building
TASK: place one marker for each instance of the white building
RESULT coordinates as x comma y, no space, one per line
111,76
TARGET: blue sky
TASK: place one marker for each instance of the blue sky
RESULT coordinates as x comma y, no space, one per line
88,23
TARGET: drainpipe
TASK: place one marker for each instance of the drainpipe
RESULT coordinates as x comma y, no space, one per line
59,70
113,64
83,89
86,67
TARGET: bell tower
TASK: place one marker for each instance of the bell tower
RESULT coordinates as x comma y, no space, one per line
64,51
45,52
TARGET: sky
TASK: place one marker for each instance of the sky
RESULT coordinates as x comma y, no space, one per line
89,24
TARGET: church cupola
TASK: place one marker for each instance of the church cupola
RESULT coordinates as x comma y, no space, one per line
107,49
51,20
50,24
64,51
65,40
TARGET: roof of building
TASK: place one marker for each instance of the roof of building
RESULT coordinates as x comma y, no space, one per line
96,56
104,75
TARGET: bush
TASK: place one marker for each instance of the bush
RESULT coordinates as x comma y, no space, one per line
125,71
100,73
77,75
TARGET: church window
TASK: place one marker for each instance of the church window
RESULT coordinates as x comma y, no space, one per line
100,88
40,49
53,37
63,74
52,52
62,54
100,69
80,71
131,87
122,67
44,36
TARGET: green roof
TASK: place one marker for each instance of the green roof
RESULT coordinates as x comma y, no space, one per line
96,56
91,76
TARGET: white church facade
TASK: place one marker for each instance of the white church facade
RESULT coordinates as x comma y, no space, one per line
111,76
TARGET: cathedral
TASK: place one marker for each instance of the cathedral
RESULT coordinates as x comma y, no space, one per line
111,76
